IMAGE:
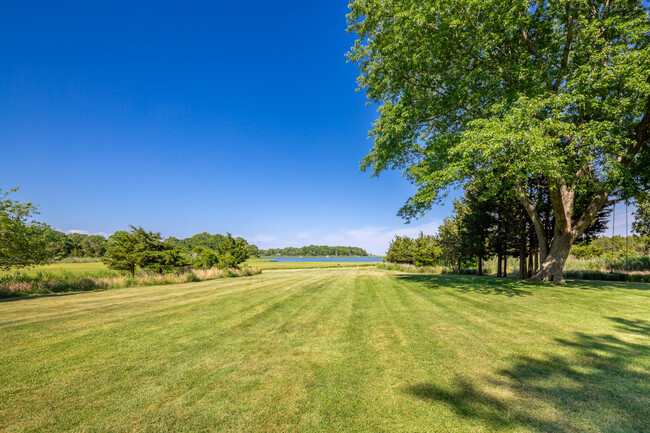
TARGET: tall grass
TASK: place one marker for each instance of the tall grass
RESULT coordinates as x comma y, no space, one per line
79,260
21,284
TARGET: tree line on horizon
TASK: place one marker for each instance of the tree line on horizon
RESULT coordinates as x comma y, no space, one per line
26,242
314,251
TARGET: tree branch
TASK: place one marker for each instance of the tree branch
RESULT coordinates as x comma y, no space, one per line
535,52
567,47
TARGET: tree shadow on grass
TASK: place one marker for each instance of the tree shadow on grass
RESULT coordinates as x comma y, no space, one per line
606,285
601,385
45,295
468,283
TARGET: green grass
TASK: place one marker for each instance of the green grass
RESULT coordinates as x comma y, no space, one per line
353,349
55,268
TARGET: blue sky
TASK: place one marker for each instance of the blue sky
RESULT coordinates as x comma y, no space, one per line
234,117
191,117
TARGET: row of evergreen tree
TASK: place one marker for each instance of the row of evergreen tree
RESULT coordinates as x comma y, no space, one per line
485,225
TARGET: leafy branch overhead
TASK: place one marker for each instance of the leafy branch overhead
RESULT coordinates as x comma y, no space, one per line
509,92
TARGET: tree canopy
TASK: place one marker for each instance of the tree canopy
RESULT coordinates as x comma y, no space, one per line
140,248
553,91
23,241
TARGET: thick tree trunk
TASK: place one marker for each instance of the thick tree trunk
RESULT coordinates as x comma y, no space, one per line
552,268
505,266
499,263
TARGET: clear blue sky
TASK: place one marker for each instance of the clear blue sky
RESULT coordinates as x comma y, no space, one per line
187,117
192,117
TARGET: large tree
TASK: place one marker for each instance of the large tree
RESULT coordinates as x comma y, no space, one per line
556,91
23,242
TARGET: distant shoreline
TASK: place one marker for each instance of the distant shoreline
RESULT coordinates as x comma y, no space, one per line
316,257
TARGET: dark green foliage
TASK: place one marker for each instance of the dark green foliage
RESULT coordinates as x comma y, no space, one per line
611,247
421,251
204,258
139,248
315,251
207,250
586,251
123,252
232,251
23,242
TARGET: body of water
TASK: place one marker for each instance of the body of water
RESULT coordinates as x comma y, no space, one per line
327,259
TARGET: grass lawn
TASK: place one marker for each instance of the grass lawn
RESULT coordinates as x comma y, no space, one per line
350,349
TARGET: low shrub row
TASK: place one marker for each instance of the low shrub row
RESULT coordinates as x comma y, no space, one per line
20,284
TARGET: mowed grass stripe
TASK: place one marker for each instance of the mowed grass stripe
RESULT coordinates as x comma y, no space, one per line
353,349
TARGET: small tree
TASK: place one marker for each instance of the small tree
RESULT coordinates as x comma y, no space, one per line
128,250
426,251
22,242
400,250
123,252
232,251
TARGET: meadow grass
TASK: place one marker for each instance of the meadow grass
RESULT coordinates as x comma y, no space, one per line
351,349
61,268
40,283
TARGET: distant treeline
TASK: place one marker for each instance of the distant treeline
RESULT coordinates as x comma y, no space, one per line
78,245
611,247
211,242
314,250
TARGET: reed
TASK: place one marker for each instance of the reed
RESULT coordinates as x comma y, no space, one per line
21,284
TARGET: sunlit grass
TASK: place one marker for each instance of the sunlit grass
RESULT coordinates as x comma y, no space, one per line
354,349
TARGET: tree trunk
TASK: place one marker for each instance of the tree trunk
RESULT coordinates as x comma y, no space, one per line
552,267
523,273
505,266
459,260
480,266
499,260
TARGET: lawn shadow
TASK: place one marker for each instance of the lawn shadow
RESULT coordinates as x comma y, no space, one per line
601,385
586,284
468,283
46,295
